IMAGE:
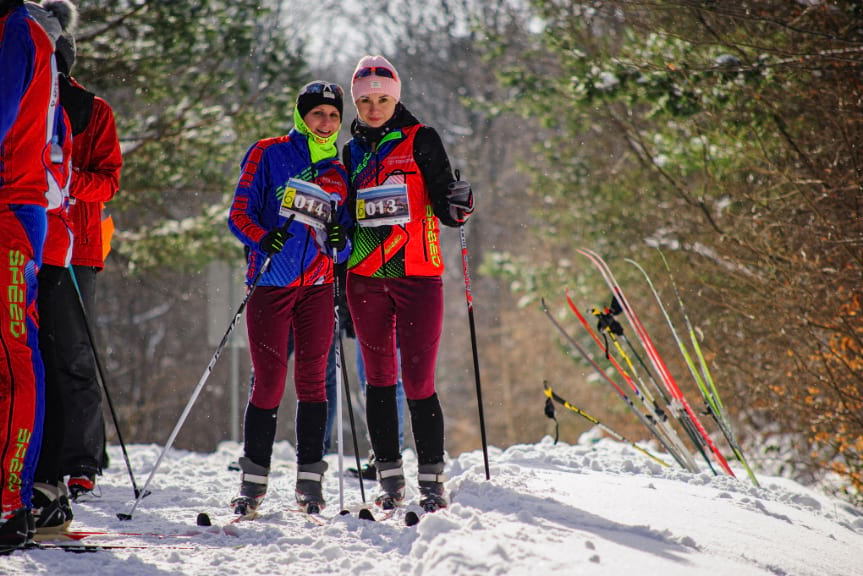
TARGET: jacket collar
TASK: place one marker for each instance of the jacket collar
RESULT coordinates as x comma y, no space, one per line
366,135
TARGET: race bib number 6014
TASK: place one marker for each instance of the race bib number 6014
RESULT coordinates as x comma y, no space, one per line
308,203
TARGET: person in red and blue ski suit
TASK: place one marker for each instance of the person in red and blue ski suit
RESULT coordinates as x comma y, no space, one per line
96,164
394,285
28,161
295,292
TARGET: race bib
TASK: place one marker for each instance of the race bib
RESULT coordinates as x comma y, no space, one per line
385,205
308,203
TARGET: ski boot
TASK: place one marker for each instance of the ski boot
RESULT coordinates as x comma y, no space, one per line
51,510
309,491
253,487
81,485
432,493
65,501
15,530
368,471
391,477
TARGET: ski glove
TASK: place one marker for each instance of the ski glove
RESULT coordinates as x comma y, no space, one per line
274,240
346,322
336,236
460,198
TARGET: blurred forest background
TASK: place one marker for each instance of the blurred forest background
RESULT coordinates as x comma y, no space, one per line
728,134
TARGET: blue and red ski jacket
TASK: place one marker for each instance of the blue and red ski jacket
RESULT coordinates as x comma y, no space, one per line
28,109
266,168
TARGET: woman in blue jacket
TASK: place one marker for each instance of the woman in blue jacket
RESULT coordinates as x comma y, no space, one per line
288,210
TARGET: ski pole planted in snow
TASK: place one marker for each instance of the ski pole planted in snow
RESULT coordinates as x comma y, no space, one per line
337,335
347,390
469,298
207,371
342,378
101,373
552,395
698,433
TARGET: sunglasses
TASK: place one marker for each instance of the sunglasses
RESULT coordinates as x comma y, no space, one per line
322,88
375,71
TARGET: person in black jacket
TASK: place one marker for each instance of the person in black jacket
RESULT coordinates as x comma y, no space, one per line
401,189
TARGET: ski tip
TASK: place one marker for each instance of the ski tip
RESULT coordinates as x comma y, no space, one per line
412,518
203,519
123,516
344,512
366,514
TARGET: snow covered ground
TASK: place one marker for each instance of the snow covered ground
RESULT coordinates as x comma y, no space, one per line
598,507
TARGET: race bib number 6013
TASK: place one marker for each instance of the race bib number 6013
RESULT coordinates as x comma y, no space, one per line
383,205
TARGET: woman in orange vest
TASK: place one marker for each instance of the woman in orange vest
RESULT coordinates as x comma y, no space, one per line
402,189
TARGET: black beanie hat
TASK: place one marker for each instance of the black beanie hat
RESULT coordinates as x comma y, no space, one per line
317,93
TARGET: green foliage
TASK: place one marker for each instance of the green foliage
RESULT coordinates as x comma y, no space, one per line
726,131
193,85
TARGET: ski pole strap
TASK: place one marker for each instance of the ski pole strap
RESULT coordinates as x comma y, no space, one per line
602,318
606,322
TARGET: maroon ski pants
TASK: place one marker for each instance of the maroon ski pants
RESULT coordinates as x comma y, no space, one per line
272,312
407,310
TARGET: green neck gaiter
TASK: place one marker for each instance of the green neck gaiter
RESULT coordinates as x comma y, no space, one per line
319,148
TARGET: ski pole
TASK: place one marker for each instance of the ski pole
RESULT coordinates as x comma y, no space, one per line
552,395
675,445
645,419
342,378
207,371
351,417
339,380
698,429
472,322
102,382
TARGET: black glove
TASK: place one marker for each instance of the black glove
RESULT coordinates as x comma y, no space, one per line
336,236
274,240
346,323
460,198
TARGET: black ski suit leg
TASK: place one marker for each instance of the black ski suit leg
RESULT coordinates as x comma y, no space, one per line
259,432
428,427
383,422
311,424
84,440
